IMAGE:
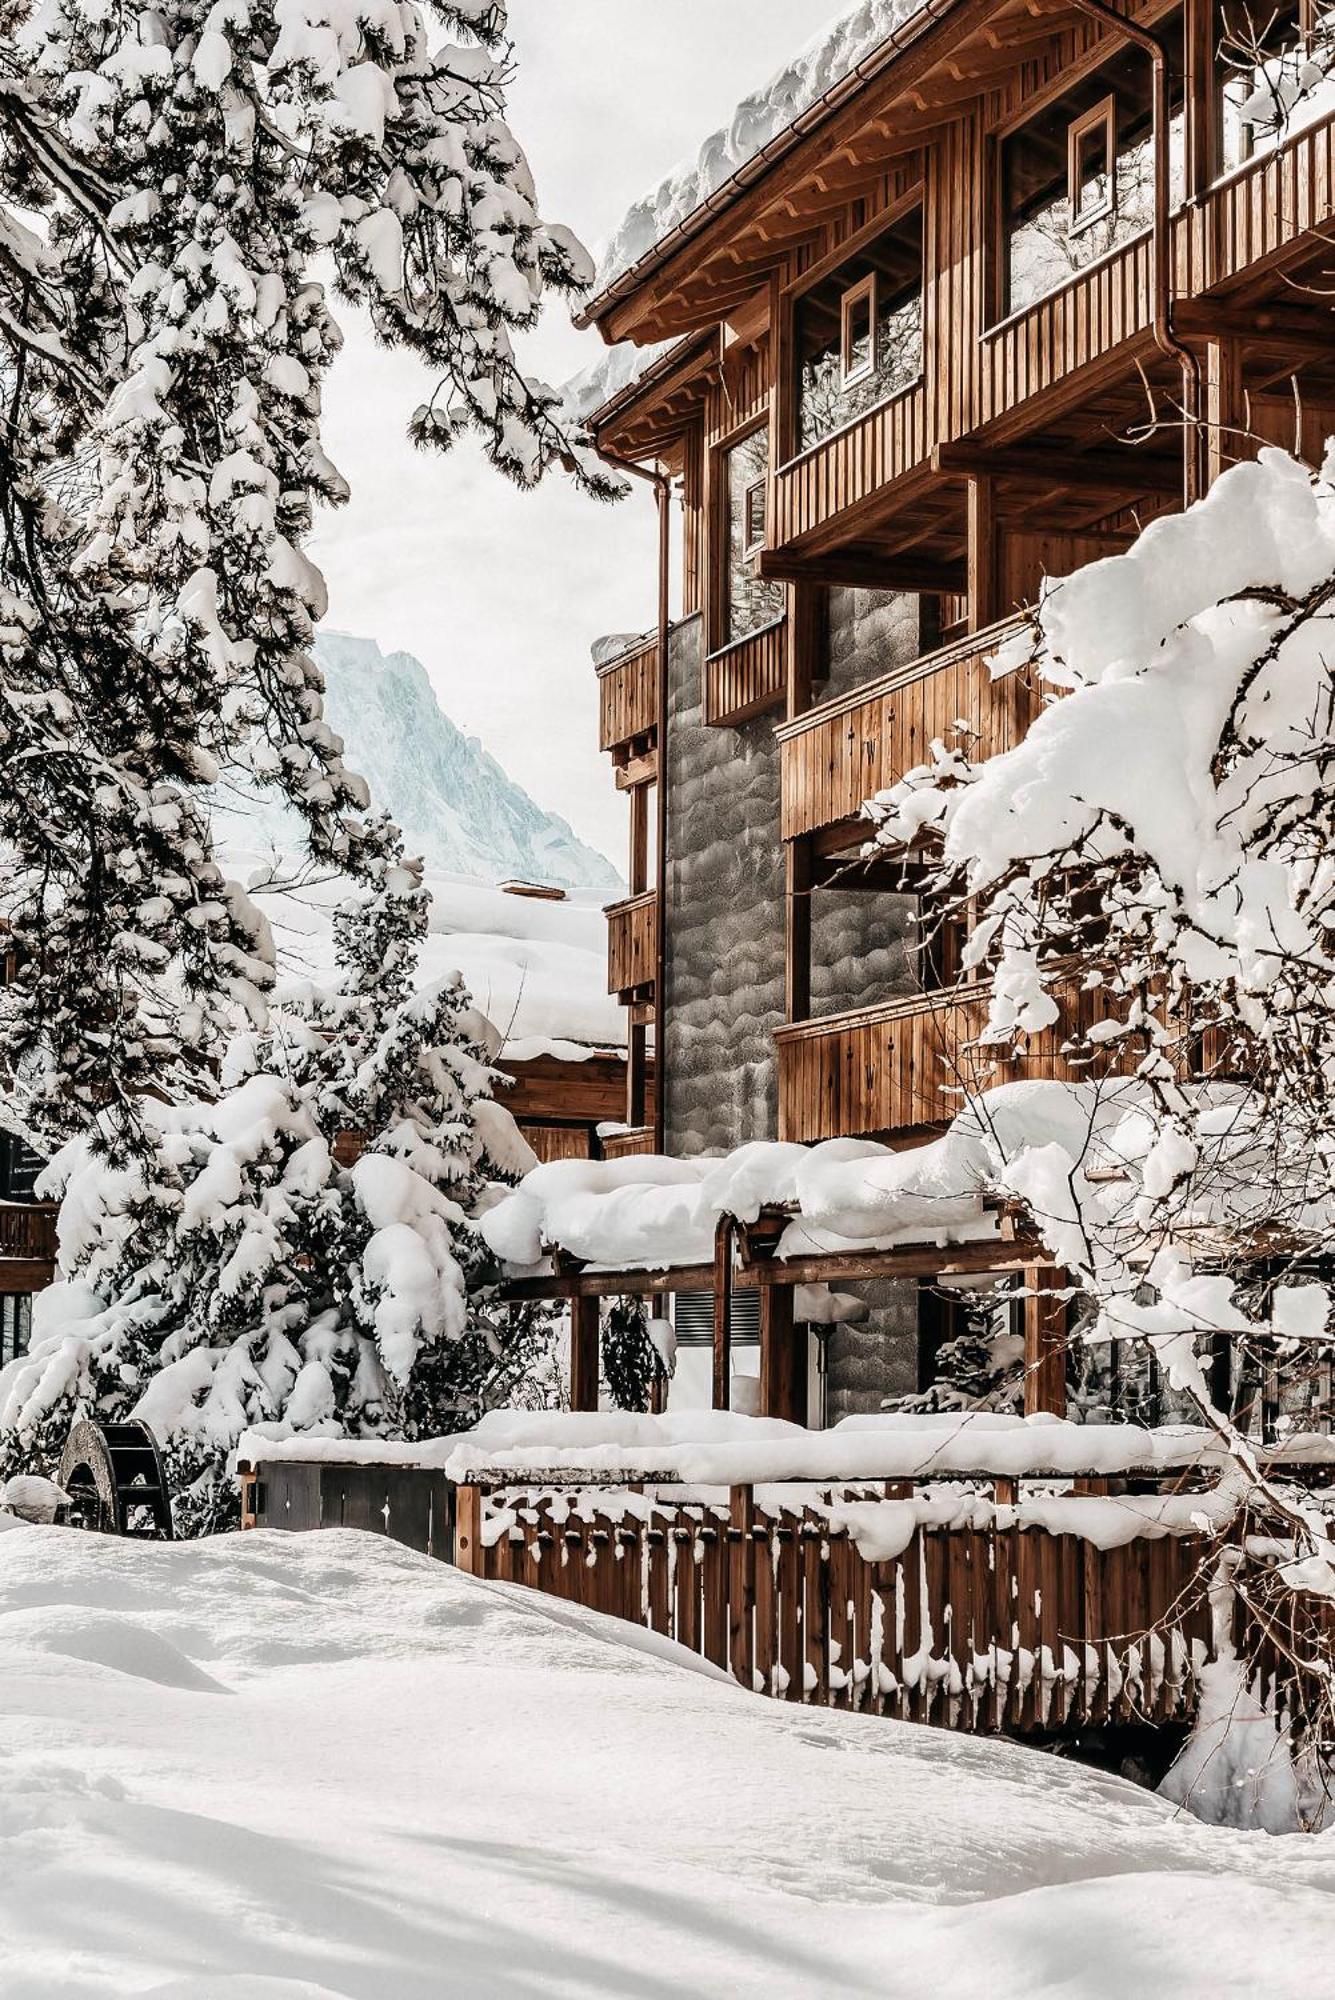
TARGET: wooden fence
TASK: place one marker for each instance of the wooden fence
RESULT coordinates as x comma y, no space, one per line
987,1626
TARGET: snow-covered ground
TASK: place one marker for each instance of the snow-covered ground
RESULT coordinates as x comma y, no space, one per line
280,1767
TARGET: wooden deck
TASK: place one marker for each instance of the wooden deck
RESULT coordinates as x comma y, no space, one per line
838,755
631,945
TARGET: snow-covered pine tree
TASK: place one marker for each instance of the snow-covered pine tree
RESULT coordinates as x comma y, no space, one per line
168,180
297,1252
631,1363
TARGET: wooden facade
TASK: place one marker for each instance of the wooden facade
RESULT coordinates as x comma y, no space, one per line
1006,445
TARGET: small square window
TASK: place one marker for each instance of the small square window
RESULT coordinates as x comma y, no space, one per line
1091,163
857,341
753,519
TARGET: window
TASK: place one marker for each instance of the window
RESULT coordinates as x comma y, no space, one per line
1091,164
1272,72
857,332
748,600
1077,179
753,519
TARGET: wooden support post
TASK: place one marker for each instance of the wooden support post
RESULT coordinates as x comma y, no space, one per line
584,1354
469,1553
723,1313
639,839
983,565
783,1358
1045,1330
797,929
637,1063
1225,408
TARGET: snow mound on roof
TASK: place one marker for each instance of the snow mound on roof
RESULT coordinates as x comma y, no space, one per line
427,1784
827,57
615,369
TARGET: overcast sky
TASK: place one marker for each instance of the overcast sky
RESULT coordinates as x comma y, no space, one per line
498,592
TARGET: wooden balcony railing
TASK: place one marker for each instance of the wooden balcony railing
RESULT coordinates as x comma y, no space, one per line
628,1145
910,1063
747,677
852,465
628,700
1256,215
631,945
28,1231
839,754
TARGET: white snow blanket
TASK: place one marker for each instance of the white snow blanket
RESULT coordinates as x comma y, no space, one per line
826,59
320,1767
716,1448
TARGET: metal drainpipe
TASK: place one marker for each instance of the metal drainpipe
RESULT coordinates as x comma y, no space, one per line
1164,338
662,485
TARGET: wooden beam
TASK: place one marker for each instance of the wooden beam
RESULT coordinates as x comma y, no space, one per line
637,771
1020,1252
1128,471
984,585
1306,329
863,572
1045,1333
1225,410
722,1288
584,1352
797,930
783,1358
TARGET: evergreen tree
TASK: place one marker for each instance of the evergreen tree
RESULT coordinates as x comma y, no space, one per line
297,1252
168,178
631,1362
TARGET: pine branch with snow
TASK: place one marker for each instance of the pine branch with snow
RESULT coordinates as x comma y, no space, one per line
168,183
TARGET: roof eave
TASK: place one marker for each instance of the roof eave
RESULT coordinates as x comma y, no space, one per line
755,169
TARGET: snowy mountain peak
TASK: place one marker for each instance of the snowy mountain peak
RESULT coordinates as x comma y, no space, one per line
455,803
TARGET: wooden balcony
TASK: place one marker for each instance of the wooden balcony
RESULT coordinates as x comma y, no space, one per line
27,1246
632,937
1268,215
909,1063
747,677
840,754
851,466
628,702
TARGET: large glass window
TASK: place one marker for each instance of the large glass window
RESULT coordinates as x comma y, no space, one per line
858,333
751,601
1273,64
1078,179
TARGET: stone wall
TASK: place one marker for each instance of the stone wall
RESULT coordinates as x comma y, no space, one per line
724,975
725,918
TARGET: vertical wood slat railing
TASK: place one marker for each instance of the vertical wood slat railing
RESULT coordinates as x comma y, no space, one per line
911,1062
28,1231
744,679
628,698
838,755
852,465
631,943
1254,216
1000,1628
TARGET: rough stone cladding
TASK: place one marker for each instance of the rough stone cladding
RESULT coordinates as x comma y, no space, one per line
724,975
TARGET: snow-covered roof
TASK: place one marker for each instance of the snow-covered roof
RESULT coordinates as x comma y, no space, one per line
725,1448
536,968
761,118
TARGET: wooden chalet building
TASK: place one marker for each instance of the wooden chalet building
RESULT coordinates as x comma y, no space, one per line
1027,277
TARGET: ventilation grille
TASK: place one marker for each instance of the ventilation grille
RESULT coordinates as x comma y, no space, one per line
693,1319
